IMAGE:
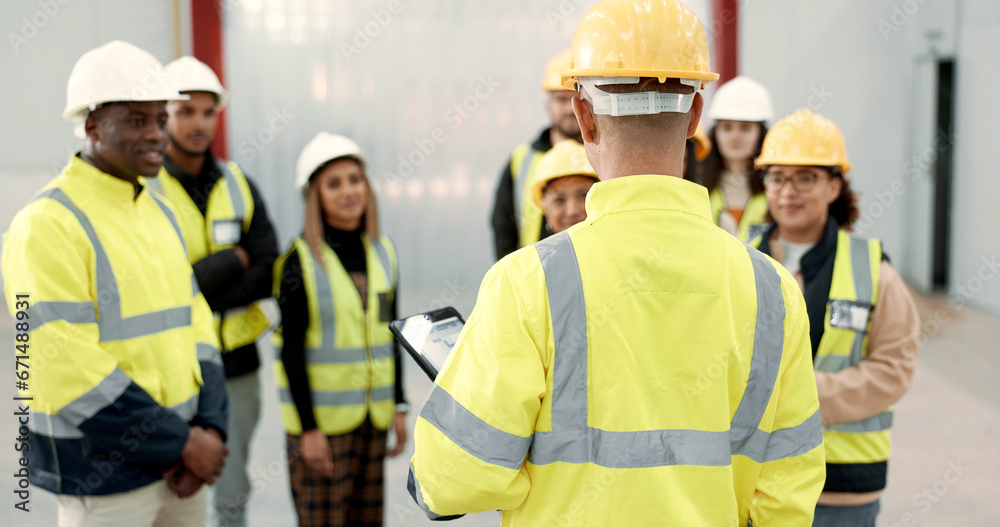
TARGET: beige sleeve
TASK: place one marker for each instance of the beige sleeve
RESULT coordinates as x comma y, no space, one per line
880,380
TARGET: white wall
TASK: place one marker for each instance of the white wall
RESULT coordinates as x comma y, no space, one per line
868,67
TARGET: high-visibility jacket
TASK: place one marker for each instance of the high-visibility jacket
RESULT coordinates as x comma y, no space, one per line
754,214
226,219
349,349
846,327
641,368
122,353
523,162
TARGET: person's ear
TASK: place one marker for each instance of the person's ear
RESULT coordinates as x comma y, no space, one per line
836,185
585,118
92,128
696,107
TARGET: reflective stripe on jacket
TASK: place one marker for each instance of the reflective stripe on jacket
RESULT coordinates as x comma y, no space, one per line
754,214
226,219
118,328
523,162
853,296
640,368
349,349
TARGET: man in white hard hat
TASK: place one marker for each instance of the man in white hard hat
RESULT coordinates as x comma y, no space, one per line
517,220
232,247
642,367
128,405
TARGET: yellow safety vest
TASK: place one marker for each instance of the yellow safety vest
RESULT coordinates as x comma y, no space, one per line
226,219
754,214
640,368
846,327
115,302
529,217
349,350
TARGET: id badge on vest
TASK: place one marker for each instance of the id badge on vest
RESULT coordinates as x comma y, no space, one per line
846,314
227,232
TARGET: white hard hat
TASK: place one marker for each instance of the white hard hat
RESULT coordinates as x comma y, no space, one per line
191,74
116,71
325,147
741,99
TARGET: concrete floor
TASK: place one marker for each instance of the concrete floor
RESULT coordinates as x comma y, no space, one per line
945,468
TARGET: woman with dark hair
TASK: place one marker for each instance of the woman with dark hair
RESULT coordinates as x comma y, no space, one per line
339,369
863,323
740,108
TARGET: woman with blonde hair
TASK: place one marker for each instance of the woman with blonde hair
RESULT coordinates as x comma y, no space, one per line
339,372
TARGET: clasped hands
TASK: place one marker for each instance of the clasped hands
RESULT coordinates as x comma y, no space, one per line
201,462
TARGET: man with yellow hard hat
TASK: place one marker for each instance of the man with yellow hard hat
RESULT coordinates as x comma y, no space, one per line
642,367
517,220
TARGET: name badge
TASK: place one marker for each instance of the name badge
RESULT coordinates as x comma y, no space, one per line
227,232
846,314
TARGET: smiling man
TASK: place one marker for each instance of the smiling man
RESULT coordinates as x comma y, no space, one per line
128,405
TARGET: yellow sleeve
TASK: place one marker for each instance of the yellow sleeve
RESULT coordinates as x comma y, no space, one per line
794,470
473,433
47,255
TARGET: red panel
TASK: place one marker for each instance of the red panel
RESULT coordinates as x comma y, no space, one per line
206,46
726,37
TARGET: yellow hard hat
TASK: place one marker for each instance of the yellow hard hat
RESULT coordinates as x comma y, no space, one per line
655,38
567,158
702,145
804,138
554,71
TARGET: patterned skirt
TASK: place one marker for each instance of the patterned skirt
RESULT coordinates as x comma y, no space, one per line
354,495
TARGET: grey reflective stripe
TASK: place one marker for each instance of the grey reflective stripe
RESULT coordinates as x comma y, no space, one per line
520,181
383,393
54,426
639,449
861,272
324,297
764,446
145,324
188,409
153,183
209,353
832,363
235,191
106,392
194,285
335,356
342,398
42,313
111,323
477,437
572,440
876,423
414,487
383,351
569,330
173,220
768,341
383,256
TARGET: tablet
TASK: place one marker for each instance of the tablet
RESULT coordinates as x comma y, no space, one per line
429,337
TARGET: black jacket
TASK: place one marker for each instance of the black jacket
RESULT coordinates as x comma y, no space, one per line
506,236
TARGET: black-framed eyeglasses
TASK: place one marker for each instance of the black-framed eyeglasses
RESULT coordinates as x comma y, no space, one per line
802,181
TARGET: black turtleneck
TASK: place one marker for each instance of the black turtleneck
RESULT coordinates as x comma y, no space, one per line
350,250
